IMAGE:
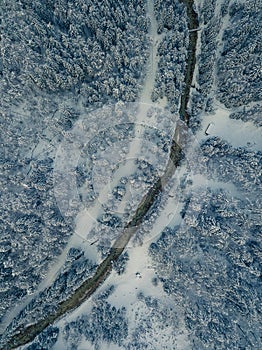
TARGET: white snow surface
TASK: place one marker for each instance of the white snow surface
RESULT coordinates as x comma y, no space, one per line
235,132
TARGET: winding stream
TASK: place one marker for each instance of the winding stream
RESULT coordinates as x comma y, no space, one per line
191,58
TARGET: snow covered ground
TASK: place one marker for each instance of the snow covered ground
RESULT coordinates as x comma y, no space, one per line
235,132
137,279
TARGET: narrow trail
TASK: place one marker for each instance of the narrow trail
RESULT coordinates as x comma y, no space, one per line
86,217
25,335
153,58
145,101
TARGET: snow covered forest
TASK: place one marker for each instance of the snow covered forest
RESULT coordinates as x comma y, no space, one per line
190,278
51,52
